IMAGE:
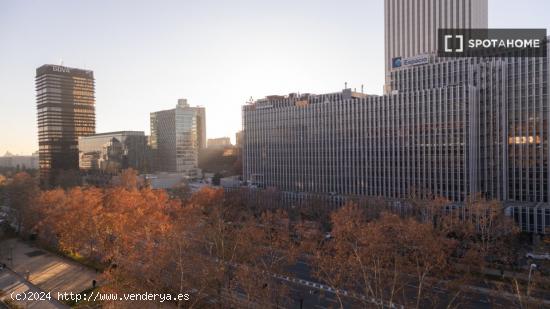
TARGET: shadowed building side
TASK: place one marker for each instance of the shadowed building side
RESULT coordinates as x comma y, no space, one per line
65,111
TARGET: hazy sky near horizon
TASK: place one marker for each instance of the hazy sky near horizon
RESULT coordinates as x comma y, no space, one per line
217,54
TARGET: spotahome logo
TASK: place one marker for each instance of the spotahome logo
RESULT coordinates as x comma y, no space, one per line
492,42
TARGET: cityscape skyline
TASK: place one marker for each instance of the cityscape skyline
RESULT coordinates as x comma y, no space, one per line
355,154
222,82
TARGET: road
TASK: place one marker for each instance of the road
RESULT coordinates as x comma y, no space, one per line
33,269
316,295
12,282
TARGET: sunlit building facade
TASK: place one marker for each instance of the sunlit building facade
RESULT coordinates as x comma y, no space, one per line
176,138
351,144
411,26
450,128
114,151
219,142
65,111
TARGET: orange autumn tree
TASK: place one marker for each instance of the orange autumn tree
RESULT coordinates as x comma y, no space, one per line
136,219
129,179
389,260
183,247
333,259
218,237
50,207
482,231
266,250
22,193
73,220
83,219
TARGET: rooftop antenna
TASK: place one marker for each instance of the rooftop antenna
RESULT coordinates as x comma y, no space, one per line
61,61
346,85
362,88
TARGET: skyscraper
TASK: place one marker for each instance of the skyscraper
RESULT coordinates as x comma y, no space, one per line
201,125
65,111
411,25
176,138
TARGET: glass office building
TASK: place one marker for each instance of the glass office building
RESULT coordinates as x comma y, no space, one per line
65,111
177,135
114,151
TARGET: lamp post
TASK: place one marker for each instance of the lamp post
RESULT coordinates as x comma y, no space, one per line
531,267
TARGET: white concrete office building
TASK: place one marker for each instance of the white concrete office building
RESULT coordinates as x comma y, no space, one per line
450,127
411,25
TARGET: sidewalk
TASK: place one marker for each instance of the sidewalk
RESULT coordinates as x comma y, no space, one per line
11,282
46,270
506,273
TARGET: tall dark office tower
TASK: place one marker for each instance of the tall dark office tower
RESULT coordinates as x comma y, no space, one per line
65,111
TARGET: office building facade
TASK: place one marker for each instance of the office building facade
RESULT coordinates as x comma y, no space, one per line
510,115
449,127
176,138
65,111
411,25
346,144
114,151
219,142
239,139
201,126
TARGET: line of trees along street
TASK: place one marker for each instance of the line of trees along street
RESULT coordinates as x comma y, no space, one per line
213,243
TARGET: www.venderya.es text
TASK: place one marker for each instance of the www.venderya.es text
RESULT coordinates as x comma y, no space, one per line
145,296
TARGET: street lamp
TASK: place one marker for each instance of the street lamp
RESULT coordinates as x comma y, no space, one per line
531,267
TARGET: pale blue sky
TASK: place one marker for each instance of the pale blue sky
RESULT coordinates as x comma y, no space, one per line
147,54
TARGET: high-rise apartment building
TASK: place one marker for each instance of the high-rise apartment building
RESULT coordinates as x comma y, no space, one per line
176,138
411,25
65,111
239,139
201,126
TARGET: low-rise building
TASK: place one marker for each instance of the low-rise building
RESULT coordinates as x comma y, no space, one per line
219,142
114,151
17,161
